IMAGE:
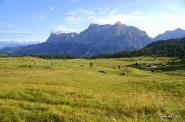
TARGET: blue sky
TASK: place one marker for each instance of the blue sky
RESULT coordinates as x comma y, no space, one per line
34,20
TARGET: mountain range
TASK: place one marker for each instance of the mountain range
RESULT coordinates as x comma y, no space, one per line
96,39
11,44
178,33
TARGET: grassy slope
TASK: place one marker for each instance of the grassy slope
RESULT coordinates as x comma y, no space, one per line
69,90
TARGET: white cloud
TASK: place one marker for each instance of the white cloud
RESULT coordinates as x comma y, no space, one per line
153,24
156,24
80,12
137,13
63,29
41,18
51,8
111,19
78,16
72,19
99,16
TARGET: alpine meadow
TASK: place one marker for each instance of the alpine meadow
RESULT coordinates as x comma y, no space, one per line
44,90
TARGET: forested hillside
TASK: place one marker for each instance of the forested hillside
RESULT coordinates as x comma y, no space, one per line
169,48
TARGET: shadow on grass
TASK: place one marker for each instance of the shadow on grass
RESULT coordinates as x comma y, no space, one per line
172,68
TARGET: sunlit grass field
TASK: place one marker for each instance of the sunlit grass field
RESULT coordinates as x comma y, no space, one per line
112,90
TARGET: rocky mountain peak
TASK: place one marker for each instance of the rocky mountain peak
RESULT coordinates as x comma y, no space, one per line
62,37
92,26
118,23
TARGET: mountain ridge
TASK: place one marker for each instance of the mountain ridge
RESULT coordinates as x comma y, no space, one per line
174,34
93,40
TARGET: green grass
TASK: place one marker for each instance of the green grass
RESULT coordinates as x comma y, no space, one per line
40,90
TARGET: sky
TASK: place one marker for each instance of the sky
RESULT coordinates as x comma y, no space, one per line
34,20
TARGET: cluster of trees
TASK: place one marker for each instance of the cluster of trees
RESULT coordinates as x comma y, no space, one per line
168,48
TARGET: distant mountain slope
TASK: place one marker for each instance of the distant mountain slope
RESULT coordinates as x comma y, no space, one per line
167,44
95,39
172,47
178,33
